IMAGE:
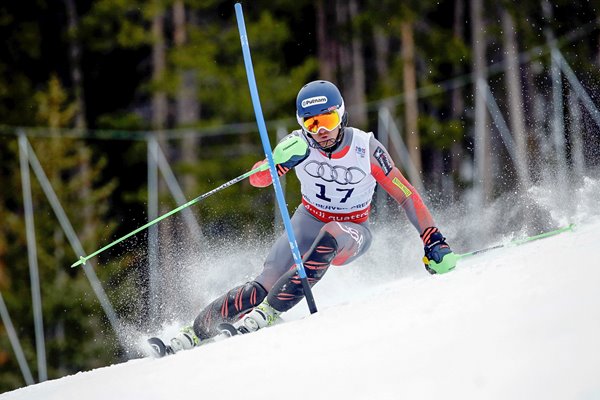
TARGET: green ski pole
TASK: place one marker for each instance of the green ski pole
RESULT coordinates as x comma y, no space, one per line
292,146
449,261
519,242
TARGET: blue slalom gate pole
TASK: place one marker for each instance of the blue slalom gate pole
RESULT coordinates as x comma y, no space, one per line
264,137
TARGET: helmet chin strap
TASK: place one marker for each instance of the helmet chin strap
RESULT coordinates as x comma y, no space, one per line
329,149
337,142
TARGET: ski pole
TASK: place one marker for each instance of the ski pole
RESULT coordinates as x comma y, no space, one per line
262,129
283,152
82,259
518,242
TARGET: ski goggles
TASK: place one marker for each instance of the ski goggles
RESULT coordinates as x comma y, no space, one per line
329,121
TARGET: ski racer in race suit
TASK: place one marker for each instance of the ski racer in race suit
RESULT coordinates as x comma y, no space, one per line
338,175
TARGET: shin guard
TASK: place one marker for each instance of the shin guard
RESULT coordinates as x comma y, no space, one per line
226,308
287,291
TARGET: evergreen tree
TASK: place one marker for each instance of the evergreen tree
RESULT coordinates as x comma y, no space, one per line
77,336
292,42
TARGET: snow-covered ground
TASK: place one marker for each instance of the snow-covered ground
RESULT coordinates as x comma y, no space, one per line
520,322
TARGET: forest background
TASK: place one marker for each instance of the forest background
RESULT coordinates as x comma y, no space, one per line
88,85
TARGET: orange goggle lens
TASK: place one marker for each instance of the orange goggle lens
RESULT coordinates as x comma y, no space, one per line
329,121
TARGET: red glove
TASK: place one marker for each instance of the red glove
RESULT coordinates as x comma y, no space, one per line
262,178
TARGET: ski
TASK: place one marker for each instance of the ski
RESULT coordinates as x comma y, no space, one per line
159,349
225,330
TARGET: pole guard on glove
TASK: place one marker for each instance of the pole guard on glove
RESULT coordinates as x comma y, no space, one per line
291,149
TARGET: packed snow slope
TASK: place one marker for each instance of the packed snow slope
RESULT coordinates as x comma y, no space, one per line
520,322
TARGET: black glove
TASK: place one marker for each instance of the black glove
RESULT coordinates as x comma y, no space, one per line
439,258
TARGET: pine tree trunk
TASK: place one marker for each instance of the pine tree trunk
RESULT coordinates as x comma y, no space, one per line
409,76
3,249
187,107
515,96
577,143
344,52
597,58
483,171
457,101
382,48
75,63
345,58
159,98
351,64
358,71
87,235
325,45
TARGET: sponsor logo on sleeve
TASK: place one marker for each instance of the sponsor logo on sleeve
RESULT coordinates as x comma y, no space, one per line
407,192
382,157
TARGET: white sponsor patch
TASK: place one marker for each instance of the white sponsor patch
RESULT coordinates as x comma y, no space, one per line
313,101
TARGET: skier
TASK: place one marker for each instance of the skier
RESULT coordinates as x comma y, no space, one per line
338,174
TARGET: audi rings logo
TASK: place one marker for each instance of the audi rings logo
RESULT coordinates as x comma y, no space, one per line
337,173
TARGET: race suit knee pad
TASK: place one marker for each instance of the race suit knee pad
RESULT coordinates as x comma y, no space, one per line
319,257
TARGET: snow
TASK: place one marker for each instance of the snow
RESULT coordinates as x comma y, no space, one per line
519,322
